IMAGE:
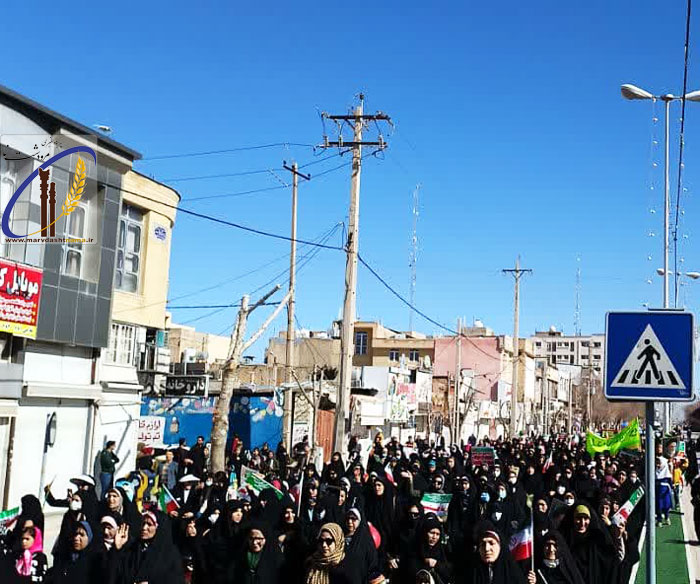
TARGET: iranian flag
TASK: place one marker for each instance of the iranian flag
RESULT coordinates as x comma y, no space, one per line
166,502
547,464
626,510
389,473
7,518
520,545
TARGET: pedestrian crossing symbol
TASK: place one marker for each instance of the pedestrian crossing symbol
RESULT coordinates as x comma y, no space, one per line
649,355
648,365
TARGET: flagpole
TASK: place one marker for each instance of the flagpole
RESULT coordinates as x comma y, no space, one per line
301,494
532,533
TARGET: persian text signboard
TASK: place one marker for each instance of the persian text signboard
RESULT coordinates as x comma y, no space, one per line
20,291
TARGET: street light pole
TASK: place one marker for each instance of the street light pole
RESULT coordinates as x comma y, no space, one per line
633,93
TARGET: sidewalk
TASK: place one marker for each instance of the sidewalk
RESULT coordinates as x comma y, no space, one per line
677,549
692,546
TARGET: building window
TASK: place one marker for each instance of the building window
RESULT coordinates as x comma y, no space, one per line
538,344
73,252
122,343
413,355
129,248
571,359
360,343
596,357
596,345
393,355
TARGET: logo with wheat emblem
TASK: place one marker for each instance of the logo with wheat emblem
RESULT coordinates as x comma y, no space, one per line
56,168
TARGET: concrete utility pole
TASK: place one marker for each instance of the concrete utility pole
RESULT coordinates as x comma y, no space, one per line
517,273
347,342
458,383
289,345
229,381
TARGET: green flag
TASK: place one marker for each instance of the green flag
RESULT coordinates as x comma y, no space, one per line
627,438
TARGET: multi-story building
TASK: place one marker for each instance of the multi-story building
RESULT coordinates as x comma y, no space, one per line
137,358
560,349
50,384
379,346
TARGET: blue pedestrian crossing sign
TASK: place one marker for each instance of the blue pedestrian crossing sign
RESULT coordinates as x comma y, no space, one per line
649,355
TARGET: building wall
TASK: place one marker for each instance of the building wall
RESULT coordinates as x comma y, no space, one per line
147,307
484,355
71,310
185,337
63,460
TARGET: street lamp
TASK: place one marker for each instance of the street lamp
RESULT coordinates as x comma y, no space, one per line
632,92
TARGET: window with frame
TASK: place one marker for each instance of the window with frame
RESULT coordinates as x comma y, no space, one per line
73,258
393,355
122,344
413,355
360,343
129,248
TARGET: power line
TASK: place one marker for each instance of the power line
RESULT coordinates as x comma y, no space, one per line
420,312
193,306
237,194
681,144
226,151
320,238
223,175
224,221
245,172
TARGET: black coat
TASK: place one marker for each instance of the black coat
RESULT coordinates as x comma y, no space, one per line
157,561
82,568
268,571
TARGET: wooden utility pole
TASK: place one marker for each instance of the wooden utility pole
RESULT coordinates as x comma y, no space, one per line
229,381
347,341
287,421
517,273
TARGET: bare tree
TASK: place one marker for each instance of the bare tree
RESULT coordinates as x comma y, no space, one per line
237,346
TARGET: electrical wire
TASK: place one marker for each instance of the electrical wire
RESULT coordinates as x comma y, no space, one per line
226,222
681,144
226,151
418,311
224,175
193,306
226,281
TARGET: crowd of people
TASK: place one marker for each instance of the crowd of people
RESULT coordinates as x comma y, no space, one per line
363,518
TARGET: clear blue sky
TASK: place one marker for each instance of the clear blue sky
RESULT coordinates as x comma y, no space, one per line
508,114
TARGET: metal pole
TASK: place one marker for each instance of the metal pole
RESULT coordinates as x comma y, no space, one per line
571,407
667,210
347,344
458,383
516,349
289,352
650,495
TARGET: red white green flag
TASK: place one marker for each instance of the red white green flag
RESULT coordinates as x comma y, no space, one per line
7,518
166,502
626,510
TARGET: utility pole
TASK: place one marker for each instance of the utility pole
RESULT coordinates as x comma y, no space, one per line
229,381
289,348
458,383
347,344
517,273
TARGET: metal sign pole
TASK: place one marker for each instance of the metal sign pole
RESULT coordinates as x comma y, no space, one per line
650,495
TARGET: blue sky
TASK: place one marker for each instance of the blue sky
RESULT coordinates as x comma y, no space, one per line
508,115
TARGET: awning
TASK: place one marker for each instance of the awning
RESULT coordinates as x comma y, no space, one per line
63,391
8,408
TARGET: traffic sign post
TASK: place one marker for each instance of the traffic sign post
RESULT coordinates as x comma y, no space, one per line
649,357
